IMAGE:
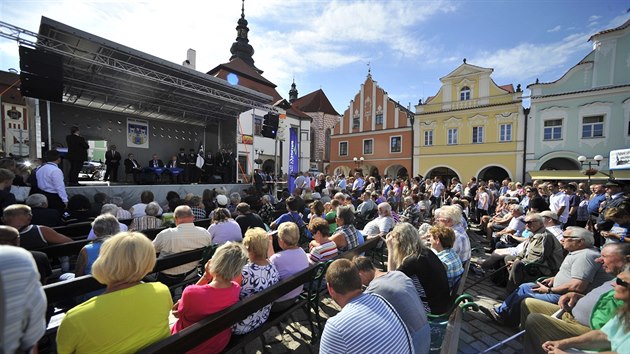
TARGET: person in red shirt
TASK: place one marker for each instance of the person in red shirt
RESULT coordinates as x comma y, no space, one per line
214,292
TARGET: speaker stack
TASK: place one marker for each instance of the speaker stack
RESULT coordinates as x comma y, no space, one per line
41,74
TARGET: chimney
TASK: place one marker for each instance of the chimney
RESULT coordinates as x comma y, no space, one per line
191,59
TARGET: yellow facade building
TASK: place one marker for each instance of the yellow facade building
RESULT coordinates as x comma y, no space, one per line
471,127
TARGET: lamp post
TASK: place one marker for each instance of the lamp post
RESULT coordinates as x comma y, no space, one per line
258,160
584,161
358,161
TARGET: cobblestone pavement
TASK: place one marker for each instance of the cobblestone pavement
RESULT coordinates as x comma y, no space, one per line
477,333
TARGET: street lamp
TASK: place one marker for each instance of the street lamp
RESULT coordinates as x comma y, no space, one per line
258,160
597,159
358,161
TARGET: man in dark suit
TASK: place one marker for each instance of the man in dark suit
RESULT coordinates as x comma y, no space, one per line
132,166
155,162
112,161
77,154
182,162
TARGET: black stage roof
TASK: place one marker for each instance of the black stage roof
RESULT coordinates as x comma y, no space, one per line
103,75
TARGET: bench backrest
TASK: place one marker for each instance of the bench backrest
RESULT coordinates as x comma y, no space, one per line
216,323
82,285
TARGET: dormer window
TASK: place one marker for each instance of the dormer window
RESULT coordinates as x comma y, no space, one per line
464,93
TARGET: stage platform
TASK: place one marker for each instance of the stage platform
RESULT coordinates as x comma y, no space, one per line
130,193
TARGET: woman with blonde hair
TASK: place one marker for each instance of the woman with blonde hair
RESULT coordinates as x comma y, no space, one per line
200,301
408,254
258,274
289,261
130,315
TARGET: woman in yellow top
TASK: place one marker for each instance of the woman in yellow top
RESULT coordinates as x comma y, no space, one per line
130,315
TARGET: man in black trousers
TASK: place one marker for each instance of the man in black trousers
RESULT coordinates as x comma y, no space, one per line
77,154
112,161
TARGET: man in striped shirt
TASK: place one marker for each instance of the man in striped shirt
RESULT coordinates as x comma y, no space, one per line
367,323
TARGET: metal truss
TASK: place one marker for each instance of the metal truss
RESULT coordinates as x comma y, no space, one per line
222,102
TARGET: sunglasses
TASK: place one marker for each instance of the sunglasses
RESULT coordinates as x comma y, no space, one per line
571,238
529,222
621,282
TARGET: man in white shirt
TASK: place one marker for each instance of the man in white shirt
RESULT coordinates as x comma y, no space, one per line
185,237
437,187
558,202
358,185
383,223
299,180
50,181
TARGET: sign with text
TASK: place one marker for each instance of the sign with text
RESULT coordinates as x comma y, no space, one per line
619,159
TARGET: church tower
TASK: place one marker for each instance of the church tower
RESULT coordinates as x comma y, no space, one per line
293,93
241,48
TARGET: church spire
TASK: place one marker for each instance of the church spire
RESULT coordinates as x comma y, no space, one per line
241,47
293,92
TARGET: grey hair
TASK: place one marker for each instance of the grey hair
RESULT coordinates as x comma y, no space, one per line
266,197
117,200
152,209
584,234
105,225
110,208
235,197
37,200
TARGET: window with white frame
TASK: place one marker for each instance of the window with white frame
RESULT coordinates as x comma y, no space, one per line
464,93
428,138
477,135
379,118
343,148
395,144
593,127
355,122
552,129
368,146
451,138
505,132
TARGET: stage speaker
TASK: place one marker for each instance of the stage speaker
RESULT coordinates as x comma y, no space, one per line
41,63
41,74
40,87
216,179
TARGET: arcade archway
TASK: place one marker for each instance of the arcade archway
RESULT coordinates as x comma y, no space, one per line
560,163
495,173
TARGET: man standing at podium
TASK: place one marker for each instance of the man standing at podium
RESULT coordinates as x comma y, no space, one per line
77,154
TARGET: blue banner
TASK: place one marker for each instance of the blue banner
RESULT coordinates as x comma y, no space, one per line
293,158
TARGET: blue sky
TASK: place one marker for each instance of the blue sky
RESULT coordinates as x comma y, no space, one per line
409,44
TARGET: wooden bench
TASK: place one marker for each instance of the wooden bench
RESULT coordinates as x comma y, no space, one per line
73,248
216,323
81,285
445,327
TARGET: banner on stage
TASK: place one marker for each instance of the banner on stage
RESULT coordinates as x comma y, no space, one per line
137,133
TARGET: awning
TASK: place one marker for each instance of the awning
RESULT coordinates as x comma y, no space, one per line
578,175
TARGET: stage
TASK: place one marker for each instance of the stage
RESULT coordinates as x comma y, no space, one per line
130,193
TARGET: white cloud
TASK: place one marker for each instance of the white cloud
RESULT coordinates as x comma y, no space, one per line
530,60
555,29
594,18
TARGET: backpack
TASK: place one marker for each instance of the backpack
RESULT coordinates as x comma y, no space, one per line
305,234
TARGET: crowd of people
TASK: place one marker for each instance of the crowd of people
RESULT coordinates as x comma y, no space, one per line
573,234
